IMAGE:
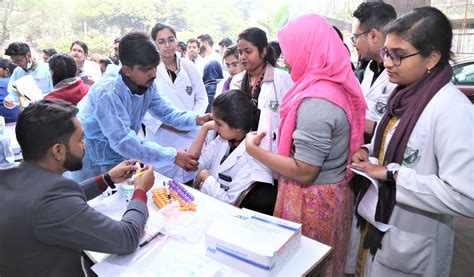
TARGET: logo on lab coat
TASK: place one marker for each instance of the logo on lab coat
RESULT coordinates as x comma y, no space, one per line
380,107
411,157
189,90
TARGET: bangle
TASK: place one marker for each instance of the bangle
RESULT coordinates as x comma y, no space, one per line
108,180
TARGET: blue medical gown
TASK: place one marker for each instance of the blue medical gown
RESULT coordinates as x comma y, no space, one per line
111,117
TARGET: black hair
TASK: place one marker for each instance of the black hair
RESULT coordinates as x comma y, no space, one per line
258,37
374,15
235,108
276,48
182,46
339,34
43,124
160,26
231,50
225,42
136,48
206,37
50,51
82,44
193,40
117,40
17,49
7,64
427,29
63,67
105,61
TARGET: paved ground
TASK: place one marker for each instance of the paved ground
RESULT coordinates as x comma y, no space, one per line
463,257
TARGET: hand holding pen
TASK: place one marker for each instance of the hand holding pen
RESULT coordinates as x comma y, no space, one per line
145,178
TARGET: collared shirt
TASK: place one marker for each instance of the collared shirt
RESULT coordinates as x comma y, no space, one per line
134,89
377,69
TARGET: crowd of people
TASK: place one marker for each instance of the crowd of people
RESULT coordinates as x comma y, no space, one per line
278,138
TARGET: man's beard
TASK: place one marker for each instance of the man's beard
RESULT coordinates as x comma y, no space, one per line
72,163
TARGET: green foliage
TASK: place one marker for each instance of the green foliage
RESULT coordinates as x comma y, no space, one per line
273,21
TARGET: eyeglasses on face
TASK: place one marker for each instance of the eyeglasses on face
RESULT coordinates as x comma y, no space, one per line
18,60
355,36
396,59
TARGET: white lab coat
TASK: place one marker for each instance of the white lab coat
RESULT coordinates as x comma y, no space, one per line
6,152
237,169
376,95
186,93
92,69
275,84
434,184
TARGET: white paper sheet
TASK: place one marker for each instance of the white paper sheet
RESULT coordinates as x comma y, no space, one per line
27,86
368,204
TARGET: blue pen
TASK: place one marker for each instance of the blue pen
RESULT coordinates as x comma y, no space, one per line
148,240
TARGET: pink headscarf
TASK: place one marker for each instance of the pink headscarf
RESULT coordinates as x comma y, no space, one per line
320,68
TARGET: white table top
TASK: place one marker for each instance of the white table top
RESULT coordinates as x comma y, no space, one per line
179,257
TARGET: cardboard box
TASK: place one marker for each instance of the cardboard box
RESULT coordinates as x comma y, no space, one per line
253,242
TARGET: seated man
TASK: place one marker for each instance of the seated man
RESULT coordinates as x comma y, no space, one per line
113,110
45,218
20,54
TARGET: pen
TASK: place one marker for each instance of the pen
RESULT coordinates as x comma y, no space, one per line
148,240
139,173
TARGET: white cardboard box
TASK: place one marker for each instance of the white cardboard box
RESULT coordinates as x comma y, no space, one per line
253,242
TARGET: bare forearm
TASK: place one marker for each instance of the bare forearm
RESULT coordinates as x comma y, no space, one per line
198,142
369,126
287,167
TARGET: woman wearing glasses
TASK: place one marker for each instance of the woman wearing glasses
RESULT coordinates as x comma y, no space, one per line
181,82
233,67
423,158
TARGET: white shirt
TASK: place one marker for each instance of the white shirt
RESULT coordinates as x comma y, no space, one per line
434,184
92,69
234,175
186,93
376,95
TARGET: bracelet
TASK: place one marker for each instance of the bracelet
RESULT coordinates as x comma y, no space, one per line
108,180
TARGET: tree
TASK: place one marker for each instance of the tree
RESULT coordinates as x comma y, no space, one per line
273,21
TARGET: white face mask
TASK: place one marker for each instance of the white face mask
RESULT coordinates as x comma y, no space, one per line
29,65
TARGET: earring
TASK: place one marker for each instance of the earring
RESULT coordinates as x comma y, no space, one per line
428,70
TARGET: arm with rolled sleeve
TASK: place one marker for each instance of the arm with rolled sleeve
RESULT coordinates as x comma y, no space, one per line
451,190
62,217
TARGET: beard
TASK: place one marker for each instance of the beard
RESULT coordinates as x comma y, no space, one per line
72,163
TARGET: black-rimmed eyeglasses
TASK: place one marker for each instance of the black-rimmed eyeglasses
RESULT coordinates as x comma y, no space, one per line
396,59
355,36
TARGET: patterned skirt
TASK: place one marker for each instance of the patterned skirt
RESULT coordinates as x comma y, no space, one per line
325,210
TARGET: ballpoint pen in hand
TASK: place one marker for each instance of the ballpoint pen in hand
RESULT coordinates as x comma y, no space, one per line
148,240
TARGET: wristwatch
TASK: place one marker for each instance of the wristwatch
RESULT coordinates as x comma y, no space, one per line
392,168
108,180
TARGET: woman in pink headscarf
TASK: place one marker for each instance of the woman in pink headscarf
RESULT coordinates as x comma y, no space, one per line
322,123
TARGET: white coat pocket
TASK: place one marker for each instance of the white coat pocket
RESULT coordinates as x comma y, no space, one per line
404,252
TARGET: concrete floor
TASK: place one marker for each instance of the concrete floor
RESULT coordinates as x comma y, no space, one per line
463,257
